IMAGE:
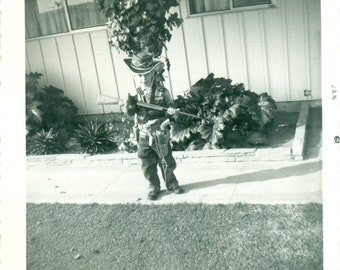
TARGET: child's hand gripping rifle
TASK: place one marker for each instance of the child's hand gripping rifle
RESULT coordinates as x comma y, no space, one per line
106,100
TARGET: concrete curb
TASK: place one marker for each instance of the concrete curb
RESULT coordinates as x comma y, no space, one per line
300,131
202,156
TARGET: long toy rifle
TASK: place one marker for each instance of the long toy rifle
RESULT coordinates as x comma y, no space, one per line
106,100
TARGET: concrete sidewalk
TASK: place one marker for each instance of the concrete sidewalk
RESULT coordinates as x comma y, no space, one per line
213,183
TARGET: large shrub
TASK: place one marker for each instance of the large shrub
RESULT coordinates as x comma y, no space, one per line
226,110
47,107
49,117
140,25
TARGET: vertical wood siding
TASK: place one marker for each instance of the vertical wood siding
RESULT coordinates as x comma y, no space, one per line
71,72
271,50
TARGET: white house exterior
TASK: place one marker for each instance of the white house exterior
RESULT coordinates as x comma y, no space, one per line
275,50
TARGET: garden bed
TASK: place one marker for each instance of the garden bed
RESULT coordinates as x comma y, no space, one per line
286,142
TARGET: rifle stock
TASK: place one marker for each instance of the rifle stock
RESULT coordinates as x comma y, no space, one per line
107,100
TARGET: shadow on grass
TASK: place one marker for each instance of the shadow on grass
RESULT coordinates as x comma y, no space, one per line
264,175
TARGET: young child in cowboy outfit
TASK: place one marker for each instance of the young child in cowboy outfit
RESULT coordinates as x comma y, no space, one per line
152,150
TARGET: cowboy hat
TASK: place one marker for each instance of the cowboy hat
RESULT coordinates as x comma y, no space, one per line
142,63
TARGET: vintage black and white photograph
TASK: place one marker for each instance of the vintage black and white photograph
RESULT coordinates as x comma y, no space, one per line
175,134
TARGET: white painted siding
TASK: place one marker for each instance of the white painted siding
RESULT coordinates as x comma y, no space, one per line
273,50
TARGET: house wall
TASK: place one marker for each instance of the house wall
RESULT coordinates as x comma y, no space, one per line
274,50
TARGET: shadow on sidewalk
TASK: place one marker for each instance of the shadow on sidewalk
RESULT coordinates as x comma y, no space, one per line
264,175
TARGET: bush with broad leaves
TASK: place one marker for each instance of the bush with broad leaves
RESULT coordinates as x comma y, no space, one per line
47,107
225,109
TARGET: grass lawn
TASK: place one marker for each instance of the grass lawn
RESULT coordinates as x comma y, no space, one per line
181,236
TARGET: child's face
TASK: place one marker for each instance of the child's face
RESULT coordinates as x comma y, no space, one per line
144,80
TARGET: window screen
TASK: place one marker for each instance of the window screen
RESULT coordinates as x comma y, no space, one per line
48,17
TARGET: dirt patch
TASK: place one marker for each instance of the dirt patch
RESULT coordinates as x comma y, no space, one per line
282,132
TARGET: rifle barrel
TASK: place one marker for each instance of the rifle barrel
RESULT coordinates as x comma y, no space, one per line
151,106
189,114
160,108
107,100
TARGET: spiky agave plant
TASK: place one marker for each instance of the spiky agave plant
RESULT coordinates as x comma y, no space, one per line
44,143
92,138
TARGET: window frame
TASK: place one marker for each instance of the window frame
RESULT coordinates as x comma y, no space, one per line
69,26
232,9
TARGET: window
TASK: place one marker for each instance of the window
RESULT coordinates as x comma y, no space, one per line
48,17
84,13
200,7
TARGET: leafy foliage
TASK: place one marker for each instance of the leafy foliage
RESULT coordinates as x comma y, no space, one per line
45,143
140,25
92,138
124,138
224,108
47,107
49,117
